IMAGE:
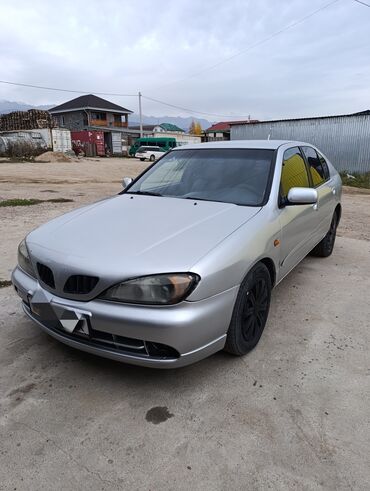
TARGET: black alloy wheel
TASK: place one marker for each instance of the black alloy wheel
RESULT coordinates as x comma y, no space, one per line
326,246
250,311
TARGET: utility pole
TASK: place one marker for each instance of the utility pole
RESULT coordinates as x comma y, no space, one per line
140,116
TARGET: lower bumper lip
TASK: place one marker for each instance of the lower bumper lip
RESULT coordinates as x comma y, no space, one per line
194,329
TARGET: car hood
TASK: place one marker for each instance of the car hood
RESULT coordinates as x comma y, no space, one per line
131,235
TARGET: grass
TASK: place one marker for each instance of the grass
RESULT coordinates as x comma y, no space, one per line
356,180
32,201
5,283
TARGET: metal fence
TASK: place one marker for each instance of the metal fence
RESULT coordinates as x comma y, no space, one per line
345,140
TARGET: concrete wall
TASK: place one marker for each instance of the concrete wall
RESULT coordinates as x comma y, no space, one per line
74,120
181,138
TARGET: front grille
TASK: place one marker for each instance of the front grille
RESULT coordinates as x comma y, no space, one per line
46,275
80,284
113,342
128,345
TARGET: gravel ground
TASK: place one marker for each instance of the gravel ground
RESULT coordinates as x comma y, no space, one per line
293,414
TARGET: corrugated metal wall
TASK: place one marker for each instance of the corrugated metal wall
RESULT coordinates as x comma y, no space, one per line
345,140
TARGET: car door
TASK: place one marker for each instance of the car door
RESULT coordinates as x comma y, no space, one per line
297,221
320,180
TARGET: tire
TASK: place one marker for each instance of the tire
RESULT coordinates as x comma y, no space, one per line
326,246
142,160
250,311
152,158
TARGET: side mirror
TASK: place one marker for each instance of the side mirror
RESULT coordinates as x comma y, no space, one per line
126,182
301,196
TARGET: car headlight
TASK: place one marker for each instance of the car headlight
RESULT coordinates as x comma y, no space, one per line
161,289
24,261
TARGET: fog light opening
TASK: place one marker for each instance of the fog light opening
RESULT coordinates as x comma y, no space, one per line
159,350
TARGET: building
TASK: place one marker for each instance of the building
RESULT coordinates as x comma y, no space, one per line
89,112
344,139
167,130
221,131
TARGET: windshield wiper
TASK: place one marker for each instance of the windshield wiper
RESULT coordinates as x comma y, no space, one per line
145,193
204,199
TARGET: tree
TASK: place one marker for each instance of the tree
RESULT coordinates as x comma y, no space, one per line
195,128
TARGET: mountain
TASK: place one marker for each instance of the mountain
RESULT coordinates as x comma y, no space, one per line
10,106
184,123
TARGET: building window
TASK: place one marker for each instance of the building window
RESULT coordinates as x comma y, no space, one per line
102,116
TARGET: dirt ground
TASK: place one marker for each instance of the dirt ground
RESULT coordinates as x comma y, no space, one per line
293,414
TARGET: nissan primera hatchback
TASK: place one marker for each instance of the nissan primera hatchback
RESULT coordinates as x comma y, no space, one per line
182,262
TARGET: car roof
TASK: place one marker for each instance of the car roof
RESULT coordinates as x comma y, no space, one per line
263,144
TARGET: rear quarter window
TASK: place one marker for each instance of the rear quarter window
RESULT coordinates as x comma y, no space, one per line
317,166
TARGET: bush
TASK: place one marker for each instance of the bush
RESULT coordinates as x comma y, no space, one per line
23,150
356,179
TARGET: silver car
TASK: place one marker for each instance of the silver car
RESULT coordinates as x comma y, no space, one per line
182,262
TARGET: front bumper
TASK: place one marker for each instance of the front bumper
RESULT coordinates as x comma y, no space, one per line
191,330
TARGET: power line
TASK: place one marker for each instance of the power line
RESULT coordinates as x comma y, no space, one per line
254,45
113,94
362,3
65,90
191,110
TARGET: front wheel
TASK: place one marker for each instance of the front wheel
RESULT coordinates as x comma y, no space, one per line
326,246
142,160
250,311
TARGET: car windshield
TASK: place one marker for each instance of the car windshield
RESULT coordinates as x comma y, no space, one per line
228,175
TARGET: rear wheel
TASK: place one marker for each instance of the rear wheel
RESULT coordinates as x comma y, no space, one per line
326,246
250,311
152,158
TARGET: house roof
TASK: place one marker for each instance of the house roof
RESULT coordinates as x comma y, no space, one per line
225,125
89,101
170,127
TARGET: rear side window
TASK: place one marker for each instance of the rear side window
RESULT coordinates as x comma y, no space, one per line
294,172
324,166
318,167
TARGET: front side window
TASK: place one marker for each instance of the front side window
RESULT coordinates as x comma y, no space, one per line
315,166
294,172
238,176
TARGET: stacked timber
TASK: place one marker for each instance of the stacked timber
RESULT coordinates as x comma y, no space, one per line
26,120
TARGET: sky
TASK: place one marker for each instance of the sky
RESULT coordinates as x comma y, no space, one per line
166,49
